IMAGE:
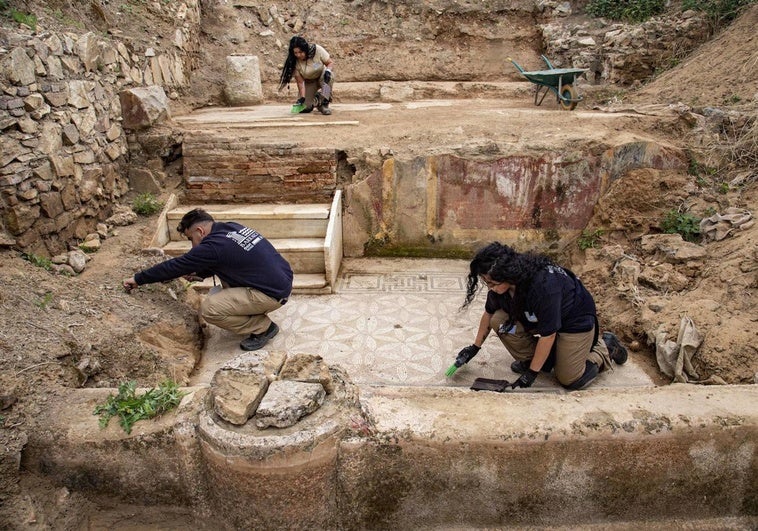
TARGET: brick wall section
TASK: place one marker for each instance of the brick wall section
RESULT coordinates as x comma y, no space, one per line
233,170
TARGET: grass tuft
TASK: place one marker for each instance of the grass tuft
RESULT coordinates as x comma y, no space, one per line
146,204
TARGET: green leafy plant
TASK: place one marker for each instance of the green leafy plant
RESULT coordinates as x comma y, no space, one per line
39,261
628,10
684,223
699,170
720,12
723,188
589,238
146,204
130,408
28,19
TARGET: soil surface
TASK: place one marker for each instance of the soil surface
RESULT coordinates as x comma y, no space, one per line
84,331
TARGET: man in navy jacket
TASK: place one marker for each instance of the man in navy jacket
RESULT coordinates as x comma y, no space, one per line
255,278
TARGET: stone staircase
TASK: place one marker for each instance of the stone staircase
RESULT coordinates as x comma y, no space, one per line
308,235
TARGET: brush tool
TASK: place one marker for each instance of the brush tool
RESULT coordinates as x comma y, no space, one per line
464,356
298,106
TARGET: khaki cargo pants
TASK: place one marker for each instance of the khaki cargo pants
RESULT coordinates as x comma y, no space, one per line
239,310
571,350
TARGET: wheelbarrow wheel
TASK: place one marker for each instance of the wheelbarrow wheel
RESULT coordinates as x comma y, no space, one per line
568,95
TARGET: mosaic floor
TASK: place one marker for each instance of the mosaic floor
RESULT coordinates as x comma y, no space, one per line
395,322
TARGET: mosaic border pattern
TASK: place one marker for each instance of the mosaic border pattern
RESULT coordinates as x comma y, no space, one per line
402,282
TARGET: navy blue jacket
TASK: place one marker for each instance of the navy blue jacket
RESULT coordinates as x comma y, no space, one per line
237,255
554,301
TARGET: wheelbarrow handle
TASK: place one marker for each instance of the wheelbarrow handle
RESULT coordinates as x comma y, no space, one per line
548,63
516,65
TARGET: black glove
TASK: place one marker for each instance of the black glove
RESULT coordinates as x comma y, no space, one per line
300,101
465,355
327,76
525,380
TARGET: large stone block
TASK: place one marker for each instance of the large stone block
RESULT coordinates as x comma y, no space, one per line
19,68
51,204
143,107
142,180
243,80
20,217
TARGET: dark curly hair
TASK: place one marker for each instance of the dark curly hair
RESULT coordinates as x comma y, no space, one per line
288,70
481,265
519,270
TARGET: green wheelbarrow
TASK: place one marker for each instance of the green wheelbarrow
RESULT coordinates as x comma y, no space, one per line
559,80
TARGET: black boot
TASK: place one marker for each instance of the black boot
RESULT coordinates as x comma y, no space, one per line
257,341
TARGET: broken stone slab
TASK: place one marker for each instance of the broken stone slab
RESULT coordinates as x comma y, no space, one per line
236,394
240,384
287,401
122,216
91,246
663,277
143,107
307,368
672,247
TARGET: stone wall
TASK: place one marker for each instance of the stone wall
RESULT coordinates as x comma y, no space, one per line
64,155
622,54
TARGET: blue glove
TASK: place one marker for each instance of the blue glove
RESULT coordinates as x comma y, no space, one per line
327,75
525,380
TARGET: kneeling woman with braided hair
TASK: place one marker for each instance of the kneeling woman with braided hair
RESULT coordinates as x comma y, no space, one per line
312,68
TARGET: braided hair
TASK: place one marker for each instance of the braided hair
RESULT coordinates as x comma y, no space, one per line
288,70
481,265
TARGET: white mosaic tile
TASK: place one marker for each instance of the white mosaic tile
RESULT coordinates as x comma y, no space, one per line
397,328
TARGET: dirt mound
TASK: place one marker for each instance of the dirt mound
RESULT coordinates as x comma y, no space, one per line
724,71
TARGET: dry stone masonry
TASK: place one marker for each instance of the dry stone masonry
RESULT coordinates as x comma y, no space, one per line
64,154
621,53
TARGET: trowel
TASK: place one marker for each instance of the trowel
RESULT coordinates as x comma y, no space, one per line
487,384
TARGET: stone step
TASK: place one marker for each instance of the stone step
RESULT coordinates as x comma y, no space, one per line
308,235
305,255
273,221
302,283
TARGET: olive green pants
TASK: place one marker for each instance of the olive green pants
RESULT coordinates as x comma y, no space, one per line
239,310
572,351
